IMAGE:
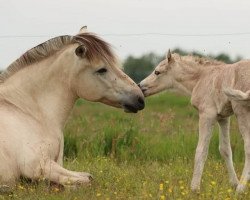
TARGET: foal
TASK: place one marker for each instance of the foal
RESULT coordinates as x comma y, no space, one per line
217,91
37,93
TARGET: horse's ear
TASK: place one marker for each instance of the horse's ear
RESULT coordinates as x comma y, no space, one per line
81,51
83,30
169,56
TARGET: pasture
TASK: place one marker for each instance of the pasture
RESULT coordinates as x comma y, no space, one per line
148,155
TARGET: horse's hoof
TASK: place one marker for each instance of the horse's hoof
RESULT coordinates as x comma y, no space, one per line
91,178
84,174
5,189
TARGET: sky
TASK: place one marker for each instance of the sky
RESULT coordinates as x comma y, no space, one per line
133,27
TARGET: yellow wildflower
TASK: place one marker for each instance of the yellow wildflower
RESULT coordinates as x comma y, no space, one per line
180,182
162,197
98,194
229,190
213,183
161,186
21,187
56,189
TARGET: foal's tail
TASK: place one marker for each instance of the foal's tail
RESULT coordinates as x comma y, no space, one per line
237,95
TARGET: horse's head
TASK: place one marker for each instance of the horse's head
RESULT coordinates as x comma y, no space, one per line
161,78
97,76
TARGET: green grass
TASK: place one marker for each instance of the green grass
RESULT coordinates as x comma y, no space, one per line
148,155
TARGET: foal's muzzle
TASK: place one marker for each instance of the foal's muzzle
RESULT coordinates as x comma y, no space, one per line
143,88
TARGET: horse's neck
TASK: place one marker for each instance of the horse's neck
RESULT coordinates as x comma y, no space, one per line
187,77
42,93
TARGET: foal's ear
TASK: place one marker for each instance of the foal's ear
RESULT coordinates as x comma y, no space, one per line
80,51
169,56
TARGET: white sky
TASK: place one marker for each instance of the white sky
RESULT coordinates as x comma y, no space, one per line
50,18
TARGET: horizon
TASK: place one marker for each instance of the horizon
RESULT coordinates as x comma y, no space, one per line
132,27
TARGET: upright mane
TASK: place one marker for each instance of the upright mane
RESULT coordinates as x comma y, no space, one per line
204,61
95,48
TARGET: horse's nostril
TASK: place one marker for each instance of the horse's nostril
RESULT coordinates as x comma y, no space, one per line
141,101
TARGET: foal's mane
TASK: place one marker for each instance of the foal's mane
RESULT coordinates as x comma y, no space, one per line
204,61
95,48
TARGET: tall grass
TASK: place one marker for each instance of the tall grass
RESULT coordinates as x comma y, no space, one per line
148,155
166,130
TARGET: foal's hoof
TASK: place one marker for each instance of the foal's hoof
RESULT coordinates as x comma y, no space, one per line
5,189
240,188
234,184
195,189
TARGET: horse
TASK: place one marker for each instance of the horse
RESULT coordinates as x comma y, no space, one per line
37,93
217,91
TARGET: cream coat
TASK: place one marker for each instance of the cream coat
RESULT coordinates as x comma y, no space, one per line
217,90
37,93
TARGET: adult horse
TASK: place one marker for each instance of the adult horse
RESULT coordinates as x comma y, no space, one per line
37,93
217,90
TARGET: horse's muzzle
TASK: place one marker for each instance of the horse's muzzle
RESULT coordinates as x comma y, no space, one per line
138,104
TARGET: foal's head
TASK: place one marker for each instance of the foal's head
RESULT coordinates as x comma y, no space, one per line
97,76
161,78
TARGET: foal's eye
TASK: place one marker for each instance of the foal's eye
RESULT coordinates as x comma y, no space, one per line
157,73
102,71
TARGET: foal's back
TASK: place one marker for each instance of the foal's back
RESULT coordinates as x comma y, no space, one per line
209,91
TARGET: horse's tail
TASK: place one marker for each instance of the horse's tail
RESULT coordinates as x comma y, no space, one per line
237,95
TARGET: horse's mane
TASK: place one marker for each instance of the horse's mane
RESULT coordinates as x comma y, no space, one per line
95,48
204,61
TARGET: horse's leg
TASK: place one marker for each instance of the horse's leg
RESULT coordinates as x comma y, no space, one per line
8,172
206,122
55,173
225,149
60,159
243,117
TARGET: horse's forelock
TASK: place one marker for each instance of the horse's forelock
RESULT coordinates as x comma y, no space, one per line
96,48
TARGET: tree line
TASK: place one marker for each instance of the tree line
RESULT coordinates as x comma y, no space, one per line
140,67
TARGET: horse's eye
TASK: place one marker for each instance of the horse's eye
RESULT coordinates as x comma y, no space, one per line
157,73
102,70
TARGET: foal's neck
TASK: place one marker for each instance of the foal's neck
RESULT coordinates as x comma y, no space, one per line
43,92
188,75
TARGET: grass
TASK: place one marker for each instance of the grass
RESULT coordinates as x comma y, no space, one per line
144,156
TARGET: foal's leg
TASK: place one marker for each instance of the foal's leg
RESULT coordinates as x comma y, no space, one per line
225,149
206,122
55,173
243,117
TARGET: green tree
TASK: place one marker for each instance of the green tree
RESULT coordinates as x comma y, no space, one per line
139,67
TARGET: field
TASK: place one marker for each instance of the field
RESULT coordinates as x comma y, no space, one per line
148,155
